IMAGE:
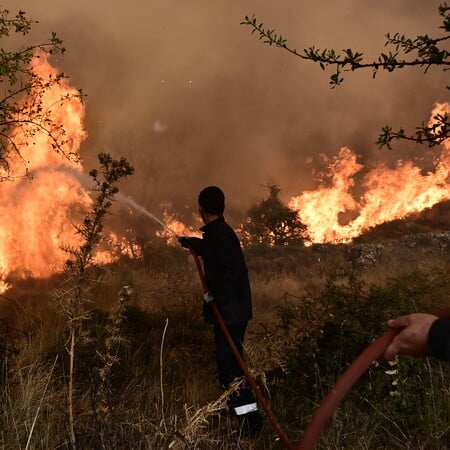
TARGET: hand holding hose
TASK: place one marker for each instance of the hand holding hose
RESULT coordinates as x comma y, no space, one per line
412,339
184,241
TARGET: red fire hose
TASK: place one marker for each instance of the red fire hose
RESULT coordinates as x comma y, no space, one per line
337,393
346,381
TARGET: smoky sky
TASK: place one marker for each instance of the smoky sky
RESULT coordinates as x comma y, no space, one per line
191,98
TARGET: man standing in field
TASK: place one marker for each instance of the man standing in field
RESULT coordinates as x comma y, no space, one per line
229,288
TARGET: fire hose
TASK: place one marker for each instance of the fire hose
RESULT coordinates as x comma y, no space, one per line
336,394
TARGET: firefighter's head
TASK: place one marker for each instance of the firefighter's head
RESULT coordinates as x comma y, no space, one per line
211,202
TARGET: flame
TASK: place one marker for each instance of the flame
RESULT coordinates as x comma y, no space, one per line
35,215
122,246
389,194
175,228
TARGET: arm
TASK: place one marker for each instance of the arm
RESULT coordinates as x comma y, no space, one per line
439,339
194,242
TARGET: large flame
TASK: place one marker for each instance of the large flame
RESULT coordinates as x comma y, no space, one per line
388,194
35,214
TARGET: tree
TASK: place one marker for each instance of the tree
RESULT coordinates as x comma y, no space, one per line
422,51
22,110
270,222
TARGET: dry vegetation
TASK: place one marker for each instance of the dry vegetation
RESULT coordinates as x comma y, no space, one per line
145,376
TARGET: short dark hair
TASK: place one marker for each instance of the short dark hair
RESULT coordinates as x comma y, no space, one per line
212,200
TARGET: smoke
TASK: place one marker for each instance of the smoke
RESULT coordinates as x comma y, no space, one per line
191,98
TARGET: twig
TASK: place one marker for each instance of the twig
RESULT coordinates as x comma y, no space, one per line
70,394
40,404
161,374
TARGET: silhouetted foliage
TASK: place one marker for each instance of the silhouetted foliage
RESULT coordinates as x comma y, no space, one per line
75,296
22,111
270,222
422,51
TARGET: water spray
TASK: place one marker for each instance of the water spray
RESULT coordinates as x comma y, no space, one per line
141,209
86,181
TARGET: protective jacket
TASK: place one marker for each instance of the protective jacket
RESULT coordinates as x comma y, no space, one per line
439,339
225,271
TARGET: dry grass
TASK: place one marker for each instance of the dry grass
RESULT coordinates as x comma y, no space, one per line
33,411
167,396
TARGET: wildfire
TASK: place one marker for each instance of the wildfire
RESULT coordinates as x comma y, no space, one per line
389,194
35,214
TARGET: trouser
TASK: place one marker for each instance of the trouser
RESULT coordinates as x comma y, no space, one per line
227,364
242,402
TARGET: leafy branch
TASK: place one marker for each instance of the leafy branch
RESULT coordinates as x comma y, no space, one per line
422,51
22,94
432,135
428,51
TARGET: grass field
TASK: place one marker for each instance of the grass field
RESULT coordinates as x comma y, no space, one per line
144,367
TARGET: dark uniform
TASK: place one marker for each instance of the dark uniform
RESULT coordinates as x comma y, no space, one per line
227,278
439,339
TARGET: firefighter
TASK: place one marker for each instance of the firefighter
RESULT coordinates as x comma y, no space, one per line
229,288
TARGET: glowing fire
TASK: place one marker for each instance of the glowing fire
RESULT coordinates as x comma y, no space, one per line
35,214
175,228
388,194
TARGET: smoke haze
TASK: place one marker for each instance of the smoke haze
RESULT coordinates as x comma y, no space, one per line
191,98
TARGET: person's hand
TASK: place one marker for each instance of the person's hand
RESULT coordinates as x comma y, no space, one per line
207,296
412,340
184,241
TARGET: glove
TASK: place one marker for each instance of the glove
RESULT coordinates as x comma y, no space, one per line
184,241
207,296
